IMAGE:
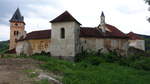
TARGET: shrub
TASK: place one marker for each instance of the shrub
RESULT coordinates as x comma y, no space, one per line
111,57
90,58
141,64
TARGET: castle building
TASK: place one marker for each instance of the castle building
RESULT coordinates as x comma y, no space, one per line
66,38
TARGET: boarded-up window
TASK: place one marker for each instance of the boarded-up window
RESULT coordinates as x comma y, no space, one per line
62,33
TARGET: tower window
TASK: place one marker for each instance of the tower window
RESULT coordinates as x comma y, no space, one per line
62,33
16,33
16,24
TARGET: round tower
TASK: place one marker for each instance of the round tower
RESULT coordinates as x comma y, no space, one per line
17,26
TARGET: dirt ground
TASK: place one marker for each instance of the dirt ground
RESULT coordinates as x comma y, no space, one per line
13,70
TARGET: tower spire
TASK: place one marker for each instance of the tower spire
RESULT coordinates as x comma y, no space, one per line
102,18
17,17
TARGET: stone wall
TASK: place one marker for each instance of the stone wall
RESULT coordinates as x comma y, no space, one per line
139,44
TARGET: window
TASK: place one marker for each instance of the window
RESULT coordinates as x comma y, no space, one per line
16,33
62,33
16,24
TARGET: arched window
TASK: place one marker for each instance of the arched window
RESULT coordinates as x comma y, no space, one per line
62,33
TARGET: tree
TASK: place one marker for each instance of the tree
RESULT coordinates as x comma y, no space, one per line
148,2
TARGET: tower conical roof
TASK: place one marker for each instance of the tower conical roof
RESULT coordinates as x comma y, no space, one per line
17,17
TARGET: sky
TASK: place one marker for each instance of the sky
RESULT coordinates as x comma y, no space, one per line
126,15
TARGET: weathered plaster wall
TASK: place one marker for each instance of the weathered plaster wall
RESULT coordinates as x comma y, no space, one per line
33,46
67,46
23,47
105,44
39,45
15,26
139,44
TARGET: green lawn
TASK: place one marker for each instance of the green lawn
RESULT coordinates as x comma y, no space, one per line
85,73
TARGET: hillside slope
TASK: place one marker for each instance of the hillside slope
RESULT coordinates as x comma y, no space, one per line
4,45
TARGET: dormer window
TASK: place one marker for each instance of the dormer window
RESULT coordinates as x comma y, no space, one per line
62,33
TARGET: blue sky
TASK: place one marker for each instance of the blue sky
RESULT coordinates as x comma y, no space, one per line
126,15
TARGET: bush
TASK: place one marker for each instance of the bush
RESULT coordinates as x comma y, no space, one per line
141,64
111,57
90,58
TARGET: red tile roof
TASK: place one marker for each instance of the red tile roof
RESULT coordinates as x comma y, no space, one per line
95,32
43,34
64,17
84,32
134,36
115,32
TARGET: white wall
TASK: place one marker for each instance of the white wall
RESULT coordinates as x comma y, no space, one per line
96,44
139,44
66,46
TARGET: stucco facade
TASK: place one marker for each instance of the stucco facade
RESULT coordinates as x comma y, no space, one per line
136,41
67,46
17,27
24,47
139,44
105,45
33,46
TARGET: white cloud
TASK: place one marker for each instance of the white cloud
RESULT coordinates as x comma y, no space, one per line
127,15
4,34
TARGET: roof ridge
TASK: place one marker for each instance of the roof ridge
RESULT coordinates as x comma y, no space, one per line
64,17
39,30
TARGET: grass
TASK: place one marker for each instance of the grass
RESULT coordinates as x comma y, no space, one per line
84,72
95,69
44,81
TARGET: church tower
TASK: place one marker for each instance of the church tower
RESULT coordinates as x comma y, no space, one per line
102,23
17,26
65,36
102,19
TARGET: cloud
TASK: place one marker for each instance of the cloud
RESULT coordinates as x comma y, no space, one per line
9,6
126,15
4,33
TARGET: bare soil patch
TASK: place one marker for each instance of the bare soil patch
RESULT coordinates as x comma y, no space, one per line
12,70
